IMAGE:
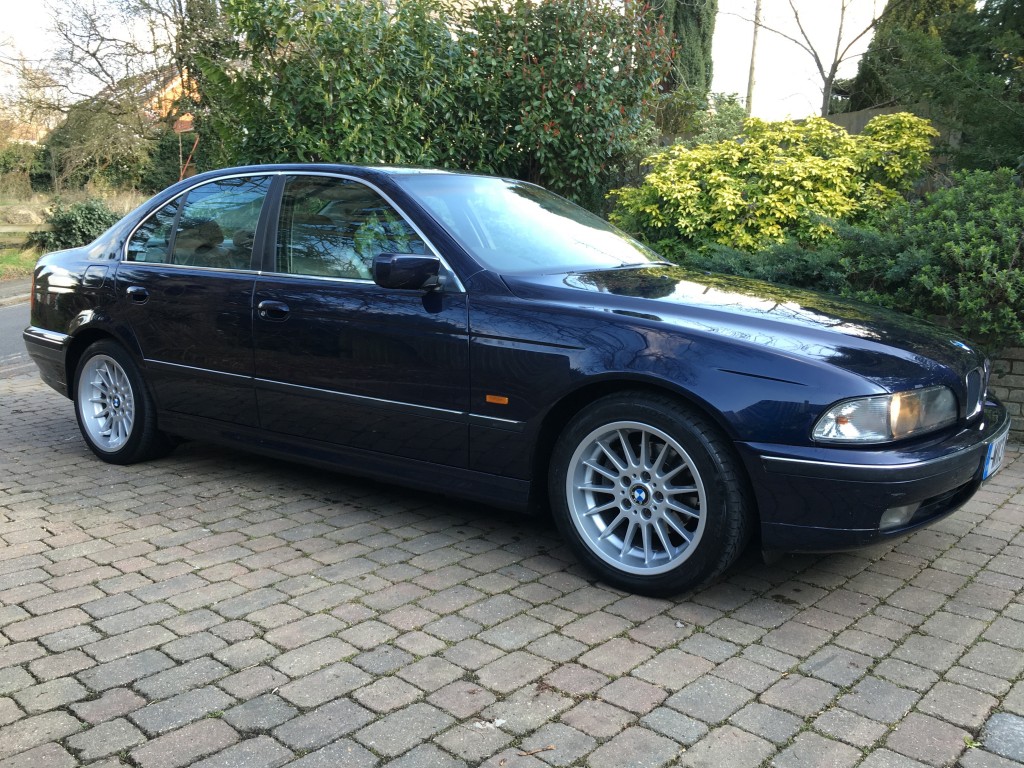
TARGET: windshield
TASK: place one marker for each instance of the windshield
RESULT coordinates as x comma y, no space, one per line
514,227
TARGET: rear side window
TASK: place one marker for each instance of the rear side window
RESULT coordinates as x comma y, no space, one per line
334,227
213,226
151,241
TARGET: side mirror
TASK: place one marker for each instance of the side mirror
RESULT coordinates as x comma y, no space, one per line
407,271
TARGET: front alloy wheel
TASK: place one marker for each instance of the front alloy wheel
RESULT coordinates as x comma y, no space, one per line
636,498
649,493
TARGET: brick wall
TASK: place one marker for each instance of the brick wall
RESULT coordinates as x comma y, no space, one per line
1008,385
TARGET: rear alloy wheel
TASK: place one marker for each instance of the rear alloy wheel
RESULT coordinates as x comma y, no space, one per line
114,410
649,494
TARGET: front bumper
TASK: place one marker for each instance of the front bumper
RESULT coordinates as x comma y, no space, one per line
814,499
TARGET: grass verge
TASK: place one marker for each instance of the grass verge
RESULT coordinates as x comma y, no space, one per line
17,262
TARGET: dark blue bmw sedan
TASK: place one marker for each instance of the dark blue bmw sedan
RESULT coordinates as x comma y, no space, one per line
482,337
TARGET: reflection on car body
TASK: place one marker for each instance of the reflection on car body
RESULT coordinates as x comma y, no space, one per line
485,338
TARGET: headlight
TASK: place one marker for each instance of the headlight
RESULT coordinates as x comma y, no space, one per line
884,418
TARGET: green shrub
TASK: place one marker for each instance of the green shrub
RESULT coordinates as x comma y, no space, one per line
955,256
775,181
74,225
958,257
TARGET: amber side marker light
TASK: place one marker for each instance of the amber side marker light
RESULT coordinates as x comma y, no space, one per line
497,399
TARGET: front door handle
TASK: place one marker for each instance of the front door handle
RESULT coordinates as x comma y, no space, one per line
137,294
273,310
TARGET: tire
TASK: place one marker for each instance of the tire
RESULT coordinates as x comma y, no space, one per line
114,409
649,494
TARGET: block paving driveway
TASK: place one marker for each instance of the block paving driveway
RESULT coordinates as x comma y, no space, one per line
219,609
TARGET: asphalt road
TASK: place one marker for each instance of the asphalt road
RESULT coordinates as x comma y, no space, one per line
13,358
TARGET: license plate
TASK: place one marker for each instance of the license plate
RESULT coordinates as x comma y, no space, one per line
994,457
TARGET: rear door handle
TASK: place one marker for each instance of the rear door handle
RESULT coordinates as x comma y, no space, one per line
273,310
138,294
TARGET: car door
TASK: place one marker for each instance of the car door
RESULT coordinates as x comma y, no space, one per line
342,360
186,284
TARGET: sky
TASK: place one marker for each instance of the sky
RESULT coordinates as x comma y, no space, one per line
786,81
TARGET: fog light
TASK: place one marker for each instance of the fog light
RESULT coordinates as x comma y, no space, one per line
896,517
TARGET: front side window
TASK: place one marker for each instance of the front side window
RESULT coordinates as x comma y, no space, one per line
213,225
334,227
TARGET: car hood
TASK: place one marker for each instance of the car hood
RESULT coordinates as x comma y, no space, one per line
884,346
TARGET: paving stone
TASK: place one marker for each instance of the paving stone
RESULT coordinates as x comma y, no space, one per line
323,725
472,742
929,740
384,659
427,756
246,653
516,632
313,656
30,732
400,731
124,671
809,750
597,718
754,677
707,646
837,665
979,758
710,699
727,747
800,695
594,628
767,722
252,682
569,744
50,695
9,711
633,695
168,714
258,752
390,693
112,704
49,755
324,685
461,699
673,669
677,727
879,700
849,727
105,739
260,714
129,642
193,646
512,671
343,753
617,656
527,709
303,631
929,652
884,758
171,682
905,674
185,745
1004,735
992,659
961,706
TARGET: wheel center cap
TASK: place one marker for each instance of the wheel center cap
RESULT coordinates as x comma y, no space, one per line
639,495
116,401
